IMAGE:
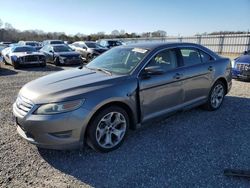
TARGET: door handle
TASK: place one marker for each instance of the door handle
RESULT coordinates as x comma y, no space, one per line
210,68
177,76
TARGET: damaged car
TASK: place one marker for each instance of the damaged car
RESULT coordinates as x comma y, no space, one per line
23,55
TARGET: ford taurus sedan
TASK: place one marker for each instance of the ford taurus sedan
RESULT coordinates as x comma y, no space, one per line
119,90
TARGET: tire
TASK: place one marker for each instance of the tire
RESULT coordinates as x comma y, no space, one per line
16,65
43,65
107,130
57,62
4,61
89,58
216,96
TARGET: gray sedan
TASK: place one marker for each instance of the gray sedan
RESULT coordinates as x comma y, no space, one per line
120,89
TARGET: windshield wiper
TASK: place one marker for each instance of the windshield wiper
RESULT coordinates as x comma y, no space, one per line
100,69
105,71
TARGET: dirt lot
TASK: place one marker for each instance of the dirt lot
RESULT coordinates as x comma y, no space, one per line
189,149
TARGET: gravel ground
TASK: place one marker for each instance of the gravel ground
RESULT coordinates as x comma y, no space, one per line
188,149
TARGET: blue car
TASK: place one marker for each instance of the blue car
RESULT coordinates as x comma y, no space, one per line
241,66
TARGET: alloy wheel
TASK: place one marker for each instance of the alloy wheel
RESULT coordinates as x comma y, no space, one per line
111,129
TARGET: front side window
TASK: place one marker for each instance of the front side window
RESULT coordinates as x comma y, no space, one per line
119,60
166,59
190,56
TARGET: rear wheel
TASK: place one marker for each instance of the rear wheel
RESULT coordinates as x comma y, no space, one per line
108,129
216,96
43,65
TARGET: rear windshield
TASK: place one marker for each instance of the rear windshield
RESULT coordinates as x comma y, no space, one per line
92,45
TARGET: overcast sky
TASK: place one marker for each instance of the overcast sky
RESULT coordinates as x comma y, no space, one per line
184,17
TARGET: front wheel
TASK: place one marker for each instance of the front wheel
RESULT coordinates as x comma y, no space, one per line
216,96
16,65
108,129
57,62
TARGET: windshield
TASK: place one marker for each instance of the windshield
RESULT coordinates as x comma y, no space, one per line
62,49
56,42
32,44
114,43
92,45
119,60
24,49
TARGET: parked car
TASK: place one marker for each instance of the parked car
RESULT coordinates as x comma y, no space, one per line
120,89
88,50
5,43
23,55
2,46
241,66
47,42
109,43
35,44
61,54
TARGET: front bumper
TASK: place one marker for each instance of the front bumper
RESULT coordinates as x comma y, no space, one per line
59,131
70,61
243,74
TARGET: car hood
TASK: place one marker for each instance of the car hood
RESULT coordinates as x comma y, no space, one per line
243,59
22,54
67,54
67,85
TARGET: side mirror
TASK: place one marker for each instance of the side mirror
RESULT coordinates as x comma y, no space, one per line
84,48
245,52
153,70
51,51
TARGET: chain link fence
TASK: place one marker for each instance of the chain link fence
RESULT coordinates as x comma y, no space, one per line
222,44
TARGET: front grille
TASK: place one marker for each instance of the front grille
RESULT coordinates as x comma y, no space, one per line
241,66
31,58
41,58
22,106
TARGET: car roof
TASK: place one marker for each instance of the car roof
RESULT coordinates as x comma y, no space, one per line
159,45
154,45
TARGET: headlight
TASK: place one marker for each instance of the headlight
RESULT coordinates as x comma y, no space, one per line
62,59
56,108
247,67
233,63
14,58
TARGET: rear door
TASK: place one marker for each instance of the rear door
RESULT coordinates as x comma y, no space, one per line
198,74
160,94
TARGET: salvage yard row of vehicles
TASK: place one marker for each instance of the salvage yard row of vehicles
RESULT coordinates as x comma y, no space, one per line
51,51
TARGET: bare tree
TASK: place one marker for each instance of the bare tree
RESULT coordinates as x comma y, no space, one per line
115,33
8,26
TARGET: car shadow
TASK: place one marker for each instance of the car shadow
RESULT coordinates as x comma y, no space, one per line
180,150
6,72
35,68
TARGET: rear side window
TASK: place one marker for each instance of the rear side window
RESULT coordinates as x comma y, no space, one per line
190,56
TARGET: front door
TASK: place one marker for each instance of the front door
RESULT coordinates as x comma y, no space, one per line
161,93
